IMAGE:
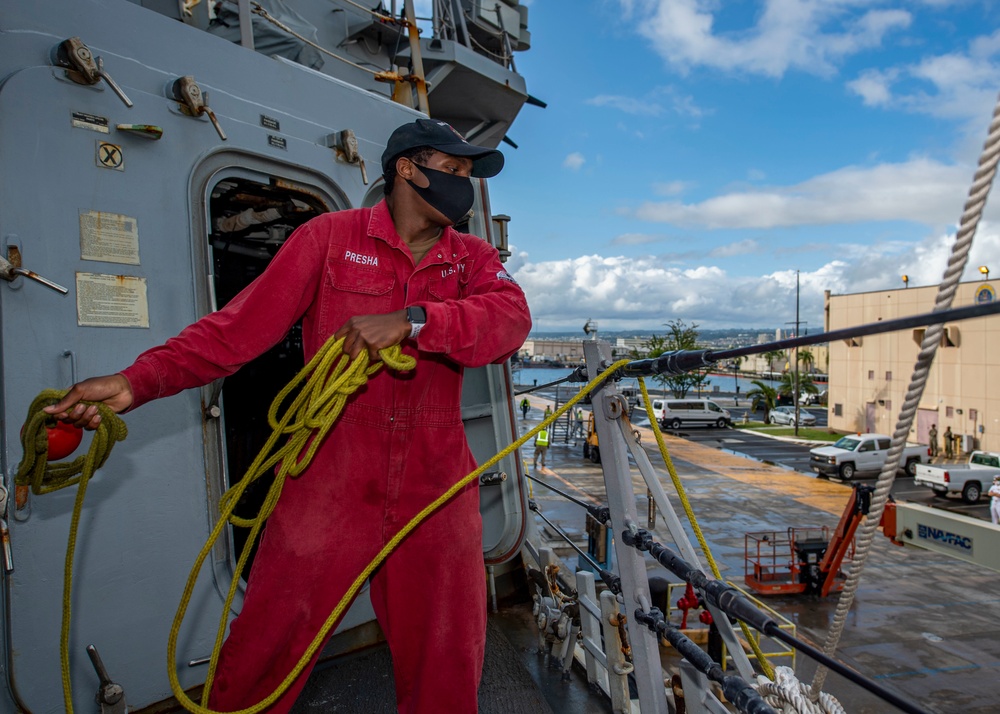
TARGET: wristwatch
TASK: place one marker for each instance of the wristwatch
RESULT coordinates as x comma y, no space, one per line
417,317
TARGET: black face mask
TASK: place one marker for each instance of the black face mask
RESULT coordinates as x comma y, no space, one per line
452,195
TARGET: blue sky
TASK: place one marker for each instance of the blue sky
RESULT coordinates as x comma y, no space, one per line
695,153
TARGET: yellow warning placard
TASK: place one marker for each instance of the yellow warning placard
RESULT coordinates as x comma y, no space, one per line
111,301
109,237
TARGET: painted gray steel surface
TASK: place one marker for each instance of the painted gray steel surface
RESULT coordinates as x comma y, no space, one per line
150,509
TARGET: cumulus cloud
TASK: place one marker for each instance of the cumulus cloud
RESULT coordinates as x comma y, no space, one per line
807,35
645,292
574,161
957,85
920,190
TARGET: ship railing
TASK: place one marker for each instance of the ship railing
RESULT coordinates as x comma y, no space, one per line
775,650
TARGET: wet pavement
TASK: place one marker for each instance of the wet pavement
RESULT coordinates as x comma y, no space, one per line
923,625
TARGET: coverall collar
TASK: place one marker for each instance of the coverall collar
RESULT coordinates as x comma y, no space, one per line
449,247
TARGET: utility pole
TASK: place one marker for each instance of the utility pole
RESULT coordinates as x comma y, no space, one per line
795,355
796,396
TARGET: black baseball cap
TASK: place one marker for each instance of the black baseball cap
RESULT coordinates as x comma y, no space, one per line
441,136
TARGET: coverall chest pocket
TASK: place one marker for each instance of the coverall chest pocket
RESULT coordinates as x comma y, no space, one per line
355,290
450,283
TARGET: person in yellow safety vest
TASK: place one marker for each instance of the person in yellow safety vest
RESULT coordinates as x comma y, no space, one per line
541,446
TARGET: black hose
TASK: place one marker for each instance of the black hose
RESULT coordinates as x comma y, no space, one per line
733,603
735,688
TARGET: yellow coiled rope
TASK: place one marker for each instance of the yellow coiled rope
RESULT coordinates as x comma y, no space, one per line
35,471
686,503
318,415
330,379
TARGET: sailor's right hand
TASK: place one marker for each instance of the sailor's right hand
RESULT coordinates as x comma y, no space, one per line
113,390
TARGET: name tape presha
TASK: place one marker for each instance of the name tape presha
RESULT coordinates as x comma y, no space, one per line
360,258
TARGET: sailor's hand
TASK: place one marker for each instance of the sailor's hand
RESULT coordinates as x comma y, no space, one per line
113,390
373,333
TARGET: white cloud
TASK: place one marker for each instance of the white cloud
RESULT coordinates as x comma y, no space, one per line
574,161
646,292
670,188
629,105
957,85
657,102
919,190
874,86
807,35
743,247
635,239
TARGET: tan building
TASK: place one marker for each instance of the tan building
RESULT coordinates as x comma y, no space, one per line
869,375
571,351
760,364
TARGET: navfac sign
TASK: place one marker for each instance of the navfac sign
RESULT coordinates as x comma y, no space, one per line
938,535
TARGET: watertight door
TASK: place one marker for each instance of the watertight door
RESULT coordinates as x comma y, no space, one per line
104,214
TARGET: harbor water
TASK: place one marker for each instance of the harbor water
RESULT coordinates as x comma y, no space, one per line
717,383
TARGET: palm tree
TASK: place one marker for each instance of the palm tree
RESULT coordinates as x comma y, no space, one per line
806,358
786,387
763,395
771,356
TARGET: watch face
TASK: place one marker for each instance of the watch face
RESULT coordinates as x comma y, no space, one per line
415,313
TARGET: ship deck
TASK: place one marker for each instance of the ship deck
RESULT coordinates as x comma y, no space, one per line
922,624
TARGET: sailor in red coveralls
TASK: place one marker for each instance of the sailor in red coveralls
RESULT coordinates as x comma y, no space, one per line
394,273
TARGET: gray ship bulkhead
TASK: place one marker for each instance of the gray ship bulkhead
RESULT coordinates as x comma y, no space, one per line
68,172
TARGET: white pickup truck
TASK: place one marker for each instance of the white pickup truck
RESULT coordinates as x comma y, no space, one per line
863,453
971,480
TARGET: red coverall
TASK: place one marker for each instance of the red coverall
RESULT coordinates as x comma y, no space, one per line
397,446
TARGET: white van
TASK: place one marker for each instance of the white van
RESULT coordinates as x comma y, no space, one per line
673,413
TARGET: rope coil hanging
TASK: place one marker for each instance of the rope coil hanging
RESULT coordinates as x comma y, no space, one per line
35,471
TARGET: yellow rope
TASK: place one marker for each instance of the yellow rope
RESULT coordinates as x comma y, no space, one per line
320,403
34,470
330,379
682,495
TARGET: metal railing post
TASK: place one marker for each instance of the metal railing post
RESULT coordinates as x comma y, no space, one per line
609,406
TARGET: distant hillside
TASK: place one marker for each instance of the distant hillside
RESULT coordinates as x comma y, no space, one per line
740,334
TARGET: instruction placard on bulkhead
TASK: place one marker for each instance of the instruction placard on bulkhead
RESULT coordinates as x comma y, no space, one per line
111,301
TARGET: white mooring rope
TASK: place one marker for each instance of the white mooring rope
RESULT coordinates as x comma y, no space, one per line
928,348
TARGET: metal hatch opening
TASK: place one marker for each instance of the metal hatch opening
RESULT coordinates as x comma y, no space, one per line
248,222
